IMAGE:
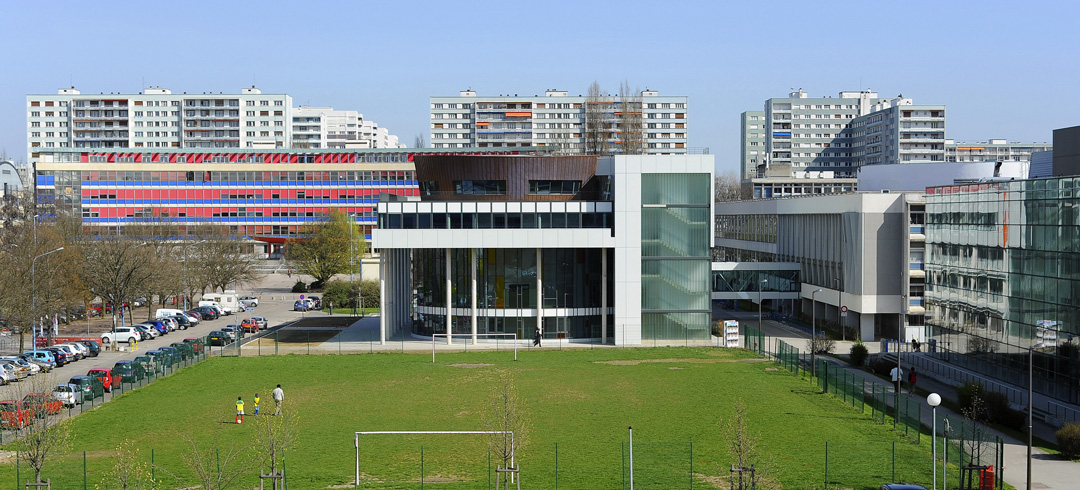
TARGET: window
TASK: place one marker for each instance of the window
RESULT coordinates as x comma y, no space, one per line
480,187
568,187
35,114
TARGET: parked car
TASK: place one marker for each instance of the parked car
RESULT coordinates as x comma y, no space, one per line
72,352
95,348
217,337
169,356
42,355
90,386
300,305
17,371
8,374
249,326
316,302
148,332
148,364
42,404
183,350
208,313
121,334
159,326
81,351
128,371
42,364
68,394
196,345
195,313
21,364
182,322
233,331
254,300
263,324
14,415
61,357
106,378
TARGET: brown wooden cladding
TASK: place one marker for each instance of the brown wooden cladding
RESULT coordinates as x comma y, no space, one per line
516,170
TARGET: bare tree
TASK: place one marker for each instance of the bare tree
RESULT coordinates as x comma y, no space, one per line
128,471
275,434
418,141
749,470
221,261
597,126
215,468
727,187
116,268
43,437
631,125
506,416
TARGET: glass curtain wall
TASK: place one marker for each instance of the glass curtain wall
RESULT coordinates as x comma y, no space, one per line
675,263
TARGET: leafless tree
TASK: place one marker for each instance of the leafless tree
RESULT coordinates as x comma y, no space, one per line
631,124
597,125
275,434
506,416
750,470
117,268
128,472
418,141
217,468
44,436
220,261
727,187
973,432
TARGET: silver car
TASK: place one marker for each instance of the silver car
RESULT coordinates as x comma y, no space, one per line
22,364
8,373
68,394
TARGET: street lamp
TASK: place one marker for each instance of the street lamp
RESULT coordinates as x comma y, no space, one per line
813,334
934,400
33,293
761,283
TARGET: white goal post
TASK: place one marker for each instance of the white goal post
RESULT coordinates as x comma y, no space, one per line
452,335
356,441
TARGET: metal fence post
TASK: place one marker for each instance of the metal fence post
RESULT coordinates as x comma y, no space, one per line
826,464
894,461
556,465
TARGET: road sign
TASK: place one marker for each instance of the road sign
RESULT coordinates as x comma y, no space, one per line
301,296
843,311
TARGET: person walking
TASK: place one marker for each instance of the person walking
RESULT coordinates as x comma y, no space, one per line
915,344
290,273
279,397
239,409
912,377
897,376
256,404
536,337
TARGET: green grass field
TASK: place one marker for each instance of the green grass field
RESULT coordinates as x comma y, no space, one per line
579,404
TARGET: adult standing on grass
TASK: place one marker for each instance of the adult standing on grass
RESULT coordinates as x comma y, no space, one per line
279,397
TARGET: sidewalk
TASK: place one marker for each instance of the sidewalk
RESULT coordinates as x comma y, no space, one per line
1048,472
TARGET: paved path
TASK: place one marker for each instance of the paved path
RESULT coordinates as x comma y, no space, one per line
1048,472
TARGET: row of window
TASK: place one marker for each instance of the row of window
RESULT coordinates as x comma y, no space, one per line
454,221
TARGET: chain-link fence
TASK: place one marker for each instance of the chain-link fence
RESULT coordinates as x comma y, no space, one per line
885,406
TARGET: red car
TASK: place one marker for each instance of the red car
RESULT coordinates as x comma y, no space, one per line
249,326
106,378
14,415
42,404
196,346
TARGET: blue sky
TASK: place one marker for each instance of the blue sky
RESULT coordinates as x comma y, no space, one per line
1004,70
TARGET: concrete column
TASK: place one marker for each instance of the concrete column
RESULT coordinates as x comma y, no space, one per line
472,296
449,299
382,300
539,291
603,296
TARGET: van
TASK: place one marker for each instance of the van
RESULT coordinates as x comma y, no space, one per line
228,301
167,312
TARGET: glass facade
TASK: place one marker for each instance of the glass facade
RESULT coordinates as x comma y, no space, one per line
784,281
1003,275
507,293
675,257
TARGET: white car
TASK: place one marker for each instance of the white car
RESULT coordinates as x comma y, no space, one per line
22,364
252,300
121,334
9,373
83,350
72,352
263,324
68,394
149,329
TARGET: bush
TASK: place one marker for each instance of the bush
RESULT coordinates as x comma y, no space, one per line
881,366
343,293
1068,439
299,287
821,344
858,353
718,328
967,393
315,286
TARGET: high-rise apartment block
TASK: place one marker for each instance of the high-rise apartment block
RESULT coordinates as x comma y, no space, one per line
158,118
994,150
815,138
557,120
324,127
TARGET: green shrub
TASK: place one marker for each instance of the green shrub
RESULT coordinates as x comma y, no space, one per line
315,286
299,287
718,328
1068,439
858,353
881,366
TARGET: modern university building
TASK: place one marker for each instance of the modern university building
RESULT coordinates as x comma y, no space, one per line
613,250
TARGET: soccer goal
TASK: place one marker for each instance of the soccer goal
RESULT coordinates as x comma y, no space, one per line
452,335
356,441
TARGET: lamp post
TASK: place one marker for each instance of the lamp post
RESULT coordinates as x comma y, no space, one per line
934,400
33,293
761,283
840,317
1031,369
813,334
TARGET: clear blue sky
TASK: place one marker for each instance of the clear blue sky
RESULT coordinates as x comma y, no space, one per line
1004,69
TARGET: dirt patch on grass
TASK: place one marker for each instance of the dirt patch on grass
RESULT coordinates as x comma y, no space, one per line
675,368
470,365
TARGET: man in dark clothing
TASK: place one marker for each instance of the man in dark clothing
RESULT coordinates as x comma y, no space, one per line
536,338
